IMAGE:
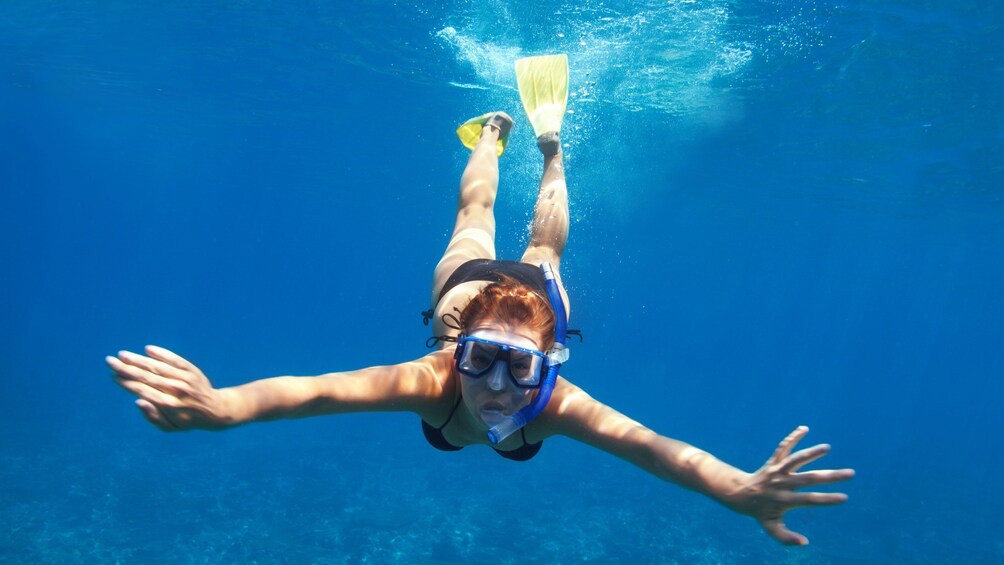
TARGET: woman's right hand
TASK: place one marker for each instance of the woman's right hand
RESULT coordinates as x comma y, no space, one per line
173,394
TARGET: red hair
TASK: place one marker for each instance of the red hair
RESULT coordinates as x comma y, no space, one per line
511,302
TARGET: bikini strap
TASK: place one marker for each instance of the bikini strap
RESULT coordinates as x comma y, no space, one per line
460,398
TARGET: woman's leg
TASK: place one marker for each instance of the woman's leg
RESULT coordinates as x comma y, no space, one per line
549,230
474,231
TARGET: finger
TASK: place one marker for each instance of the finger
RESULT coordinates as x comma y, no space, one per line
786,445
805,499
154,416
776,529
125,373
171,358
804,457
148,393
151,365
814,478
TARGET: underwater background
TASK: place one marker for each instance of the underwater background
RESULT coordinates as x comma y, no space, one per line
783,213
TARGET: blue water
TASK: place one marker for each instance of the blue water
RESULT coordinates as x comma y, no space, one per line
783,213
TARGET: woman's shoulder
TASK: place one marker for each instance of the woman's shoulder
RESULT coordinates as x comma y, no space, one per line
431,371
567,402
431,378
440,362
566,393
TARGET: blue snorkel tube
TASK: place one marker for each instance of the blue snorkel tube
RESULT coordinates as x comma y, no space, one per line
555,357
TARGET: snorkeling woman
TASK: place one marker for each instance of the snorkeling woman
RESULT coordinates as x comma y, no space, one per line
500,328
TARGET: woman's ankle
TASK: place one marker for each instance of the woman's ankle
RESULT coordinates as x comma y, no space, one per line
549,144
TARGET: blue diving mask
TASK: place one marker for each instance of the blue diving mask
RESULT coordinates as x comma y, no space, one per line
476,356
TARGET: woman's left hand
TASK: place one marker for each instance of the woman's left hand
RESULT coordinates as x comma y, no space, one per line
770,492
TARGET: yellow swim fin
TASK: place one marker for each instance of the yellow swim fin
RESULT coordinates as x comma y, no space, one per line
469,132
543,88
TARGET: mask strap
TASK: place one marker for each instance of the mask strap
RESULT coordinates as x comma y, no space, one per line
450,320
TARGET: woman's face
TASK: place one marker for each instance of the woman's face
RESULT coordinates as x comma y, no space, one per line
493,397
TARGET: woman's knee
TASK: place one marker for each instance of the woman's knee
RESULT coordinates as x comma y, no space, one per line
477,192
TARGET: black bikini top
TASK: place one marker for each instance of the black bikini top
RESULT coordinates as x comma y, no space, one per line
436,439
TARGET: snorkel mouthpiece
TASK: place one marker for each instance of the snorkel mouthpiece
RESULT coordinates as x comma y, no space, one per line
507,428
557,355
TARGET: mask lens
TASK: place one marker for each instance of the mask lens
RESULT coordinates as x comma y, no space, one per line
478,357
523,367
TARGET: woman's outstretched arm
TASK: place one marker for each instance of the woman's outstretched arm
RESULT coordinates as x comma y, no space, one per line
766,494
175,395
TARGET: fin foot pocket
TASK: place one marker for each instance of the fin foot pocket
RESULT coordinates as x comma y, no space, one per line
470,131
549,143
